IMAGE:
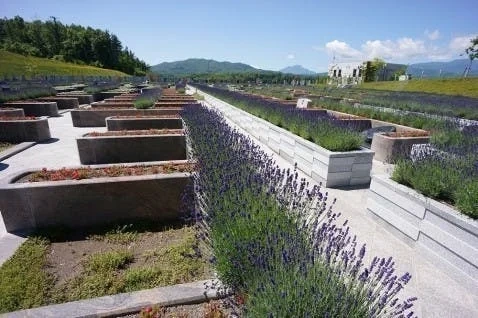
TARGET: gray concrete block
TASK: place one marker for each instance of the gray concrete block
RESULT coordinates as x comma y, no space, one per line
25,130
34,108
128,123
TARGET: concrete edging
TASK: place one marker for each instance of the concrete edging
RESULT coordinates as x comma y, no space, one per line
16,149
88,202
36,108
14,112
96,117
127,303
335,169
115,123
437,229
62,102
132,148
388,148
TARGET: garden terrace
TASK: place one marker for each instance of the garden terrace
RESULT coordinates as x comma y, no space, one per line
132,146
62,102
144,122
91,197
19,129
95,117
11,112
35,108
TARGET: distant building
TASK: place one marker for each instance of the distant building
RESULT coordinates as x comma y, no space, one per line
345,73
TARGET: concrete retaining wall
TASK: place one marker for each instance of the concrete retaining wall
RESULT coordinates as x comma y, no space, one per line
90,202
139,148
17,112
335,169
24,130
33,108
439,230
113,104
388,149
96,117
62,102
126,123
82,98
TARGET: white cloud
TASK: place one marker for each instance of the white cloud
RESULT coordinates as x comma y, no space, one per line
403,48
459,44
432,35
290,56
342,49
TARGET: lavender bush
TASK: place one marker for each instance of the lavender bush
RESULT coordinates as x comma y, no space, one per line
275,239
320,128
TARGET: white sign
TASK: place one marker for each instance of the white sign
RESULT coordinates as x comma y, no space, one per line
302,102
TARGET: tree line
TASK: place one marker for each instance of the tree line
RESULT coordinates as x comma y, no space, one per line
69,43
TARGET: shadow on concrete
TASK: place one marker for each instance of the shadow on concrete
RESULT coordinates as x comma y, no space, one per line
355,187
49,141
3,166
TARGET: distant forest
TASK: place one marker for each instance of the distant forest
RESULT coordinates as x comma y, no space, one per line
69,43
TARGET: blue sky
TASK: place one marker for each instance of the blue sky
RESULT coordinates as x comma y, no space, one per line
272,34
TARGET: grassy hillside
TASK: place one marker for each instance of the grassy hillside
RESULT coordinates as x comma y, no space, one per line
16,64
451,86
197,66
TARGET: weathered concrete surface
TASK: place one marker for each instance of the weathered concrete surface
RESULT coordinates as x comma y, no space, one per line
139,148
62,102
82,98
14,112
16,149
127,123
90,202
24,130
122,304
36,108
96,117
389,149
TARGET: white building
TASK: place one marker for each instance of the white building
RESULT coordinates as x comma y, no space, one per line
346,73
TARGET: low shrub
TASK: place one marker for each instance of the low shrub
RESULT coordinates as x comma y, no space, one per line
144,103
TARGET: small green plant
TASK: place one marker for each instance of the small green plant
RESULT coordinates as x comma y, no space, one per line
144,103
181,90
198,96
466,198
121,234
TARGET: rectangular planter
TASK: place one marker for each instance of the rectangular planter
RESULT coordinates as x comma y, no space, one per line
96,117
439,230
113,104
388,149
82,98
334,169
24,130
90,202
172,104
136,148
12,112
62,102
129,123
35,108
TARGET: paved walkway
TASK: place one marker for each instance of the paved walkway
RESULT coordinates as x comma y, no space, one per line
439,294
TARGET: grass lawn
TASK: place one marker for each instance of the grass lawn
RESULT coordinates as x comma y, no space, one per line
449,86
16,64
58,265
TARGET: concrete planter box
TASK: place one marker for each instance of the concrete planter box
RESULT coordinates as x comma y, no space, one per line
96,117
173,104
132,148
82,98
35,108
334,169
24,130
103,95
90,202
113,104
11,112
62,102
128,123
440,231
389,148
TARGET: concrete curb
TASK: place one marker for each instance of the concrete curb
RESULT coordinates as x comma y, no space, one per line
127,303
433,227
16,149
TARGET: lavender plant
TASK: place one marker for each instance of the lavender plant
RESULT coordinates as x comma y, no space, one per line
320,128
275,239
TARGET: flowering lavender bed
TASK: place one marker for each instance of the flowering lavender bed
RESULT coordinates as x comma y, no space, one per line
275,239
319,127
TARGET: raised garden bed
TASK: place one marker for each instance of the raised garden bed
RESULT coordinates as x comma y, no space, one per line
132,146
79,200
172,104
95,117
11,112
447,235
82,98
393,146
64,265
35,108
62,102
143,122
18,129
113,104
335,169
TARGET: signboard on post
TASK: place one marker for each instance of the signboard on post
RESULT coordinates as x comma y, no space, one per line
303,102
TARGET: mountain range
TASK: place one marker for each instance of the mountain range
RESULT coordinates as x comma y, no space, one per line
453,68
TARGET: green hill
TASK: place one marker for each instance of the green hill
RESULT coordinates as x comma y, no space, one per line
16,64
201,66
450,86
